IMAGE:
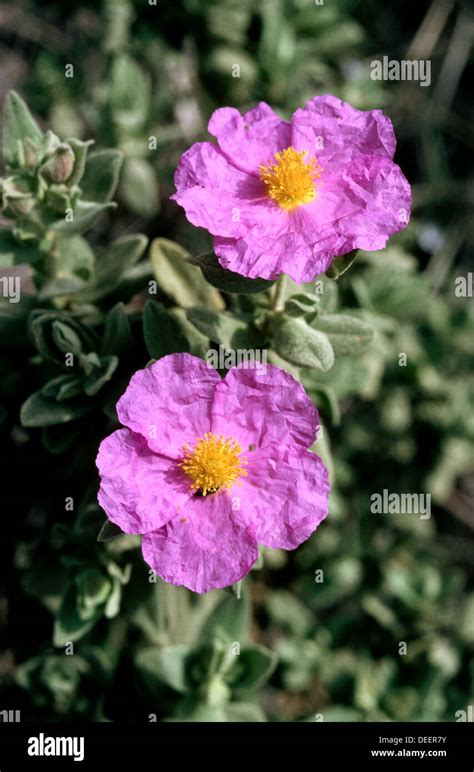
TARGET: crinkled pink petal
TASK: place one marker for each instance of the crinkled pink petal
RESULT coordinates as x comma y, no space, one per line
343,131
386,193
251,139
362,196
262,405
357,208
206,542
284,496
169,403
217,196
212,191
140,490
205,549
248,260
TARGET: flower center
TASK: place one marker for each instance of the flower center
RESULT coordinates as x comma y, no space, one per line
290,182
213,463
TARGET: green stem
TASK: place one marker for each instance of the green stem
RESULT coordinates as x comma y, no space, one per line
278,297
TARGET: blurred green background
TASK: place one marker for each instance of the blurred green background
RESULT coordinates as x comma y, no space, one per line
146,78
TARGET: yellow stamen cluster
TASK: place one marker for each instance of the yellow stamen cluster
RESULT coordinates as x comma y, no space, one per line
290,182
214,463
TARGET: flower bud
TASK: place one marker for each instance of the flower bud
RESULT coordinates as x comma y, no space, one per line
30,153
218,692
16,197
60,164
58,198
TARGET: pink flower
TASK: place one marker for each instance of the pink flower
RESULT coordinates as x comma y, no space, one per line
207,468
288,197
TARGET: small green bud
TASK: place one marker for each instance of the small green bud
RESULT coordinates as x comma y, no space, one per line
58,198
49,143
60,164
16,197
218,692
27,229
30,153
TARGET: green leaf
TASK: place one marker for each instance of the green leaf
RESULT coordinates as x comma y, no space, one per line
14,253
321,447
18,124
393,289
254,666
237,589
347,334
198,343
355,375
63,387
61,285
372,680
112,606
341,714
286,609
181,280
85,214
162,331
164,666
93,588
222,58
66,339
41,325
301,304
224,328
109,531
244,711
101,175
295,341
327,293
129,95
117,258
89,362
135,277
80,150
118,337
75,256
283,364
208,714
139,187
330,402
13,321
70,388
39,410
228,281
68,625
341,264
100,375
231,617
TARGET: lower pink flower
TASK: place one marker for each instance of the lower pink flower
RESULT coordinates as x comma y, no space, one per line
207,469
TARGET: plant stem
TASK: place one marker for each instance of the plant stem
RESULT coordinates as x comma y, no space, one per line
278,297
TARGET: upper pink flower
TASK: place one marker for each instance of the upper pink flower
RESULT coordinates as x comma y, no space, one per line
207,468
288,197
